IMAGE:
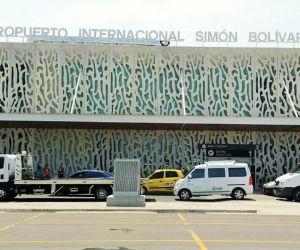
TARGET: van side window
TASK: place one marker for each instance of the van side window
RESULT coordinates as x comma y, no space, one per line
1,162
237,172
197,173
216,172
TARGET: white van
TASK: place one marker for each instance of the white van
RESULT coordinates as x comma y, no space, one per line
288,186
216,177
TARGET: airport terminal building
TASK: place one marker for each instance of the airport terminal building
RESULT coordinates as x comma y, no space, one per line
83,105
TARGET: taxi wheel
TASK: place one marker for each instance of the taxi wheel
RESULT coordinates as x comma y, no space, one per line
185,194
143,190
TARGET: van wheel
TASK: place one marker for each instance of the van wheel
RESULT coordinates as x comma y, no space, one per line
185,194
238,194
4,193
100,194
296,195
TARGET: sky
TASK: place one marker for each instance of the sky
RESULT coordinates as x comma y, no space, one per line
188,16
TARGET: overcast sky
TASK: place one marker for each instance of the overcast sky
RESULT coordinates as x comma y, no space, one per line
186,16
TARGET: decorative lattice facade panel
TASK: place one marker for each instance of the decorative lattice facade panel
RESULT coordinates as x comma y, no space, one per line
195,83
170,82
97,150
117,80
266,158
5,93
242,80
193,153
218,79
121,82
72,65
146,81
22,82
97,80
81,149
266,83
288,152
289,83
46,79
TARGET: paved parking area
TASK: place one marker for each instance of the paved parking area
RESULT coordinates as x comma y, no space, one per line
256,203
147,230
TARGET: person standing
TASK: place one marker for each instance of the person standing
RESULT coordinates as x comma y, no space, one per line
61,172
46,172
39,172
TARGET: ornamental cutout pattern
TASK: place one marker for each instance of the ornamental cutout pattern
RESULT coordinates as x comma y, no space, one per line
279,152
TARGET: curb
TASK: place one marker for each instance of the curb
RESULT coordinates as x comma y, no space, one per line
203,211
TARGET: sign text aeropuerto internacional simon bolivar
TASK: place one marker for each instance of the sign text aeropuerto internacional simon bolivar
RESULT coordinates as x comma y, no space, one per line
171,35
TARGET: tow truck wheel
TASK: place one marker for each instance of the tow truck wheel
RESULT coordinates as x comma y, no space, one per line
296,195
3,193
100,194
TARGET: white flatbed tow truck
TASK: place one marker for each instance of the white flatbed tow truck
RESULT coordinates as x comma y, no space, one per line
16,178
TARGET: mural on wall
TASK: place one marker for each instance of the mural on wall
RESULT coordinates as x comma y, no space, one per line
279,151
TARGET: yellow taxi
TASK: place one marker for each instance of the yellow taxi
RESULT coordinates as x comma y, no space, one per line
162,180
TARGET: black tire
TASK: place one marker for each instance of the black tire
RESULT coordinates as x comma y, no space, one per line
12,195
296,195
100,193
4,193
238,194
185,194
143,190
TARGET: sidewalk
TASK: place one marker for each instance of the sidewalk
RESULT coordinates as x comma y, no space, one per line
259,204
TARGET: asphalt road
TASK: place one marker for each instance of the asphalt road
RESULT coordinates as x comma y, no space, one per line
147,230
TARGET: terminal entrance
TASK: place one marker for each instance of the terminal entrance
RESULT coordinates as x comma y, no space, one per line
237,152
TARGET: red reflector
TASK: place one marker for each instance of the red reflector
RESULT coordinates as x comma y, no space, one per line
250,181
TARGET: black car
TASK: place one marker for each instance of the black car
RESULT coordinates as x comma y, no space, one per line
90,174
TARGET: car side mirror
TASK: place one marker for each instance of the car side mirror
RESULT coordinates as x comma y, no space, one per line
189,176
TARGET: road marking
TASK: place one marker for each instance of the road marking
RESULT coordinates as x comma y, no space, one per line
7,227
106,212
246,224
33,217
95,223
194,235
89,241
254,241
182,218
246,221
198,241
